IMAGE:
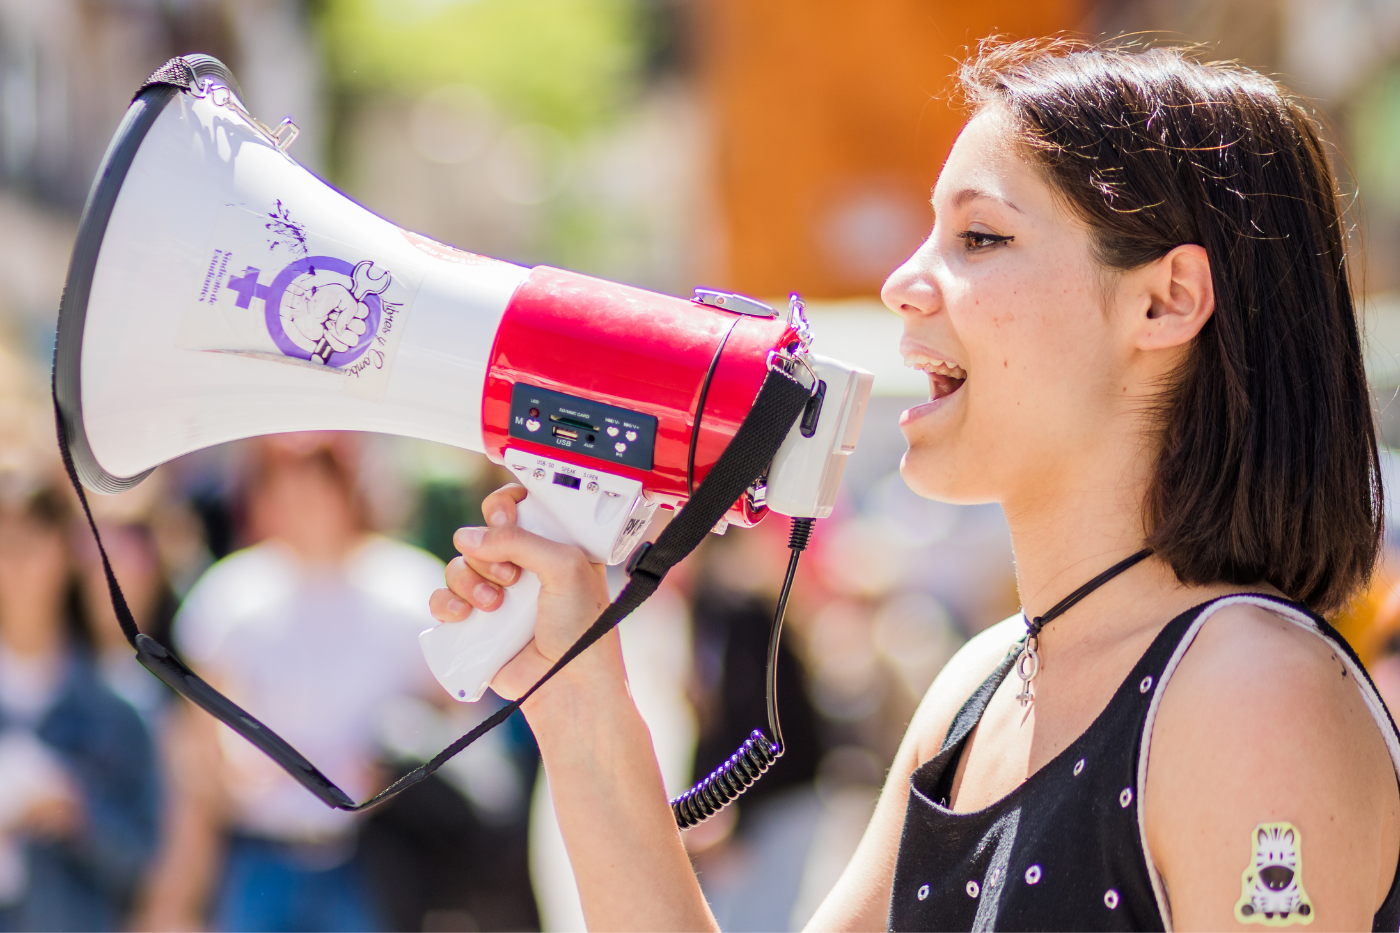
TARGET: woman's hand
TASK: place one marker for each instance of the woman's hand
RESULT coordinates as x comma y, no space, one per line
573,591
631,869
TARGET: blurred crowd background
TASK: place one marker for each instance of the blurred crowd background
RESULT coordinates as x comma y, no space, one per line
760,146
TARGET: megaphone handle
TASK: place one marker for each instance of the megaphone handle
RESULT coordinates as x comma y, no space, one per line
464,656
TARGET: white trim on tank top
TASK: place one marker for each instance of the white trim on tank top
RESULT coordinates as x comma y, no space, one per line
1298,618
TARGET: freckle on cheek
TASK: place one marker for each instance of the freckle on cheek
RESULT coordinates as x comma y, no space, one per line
1004,363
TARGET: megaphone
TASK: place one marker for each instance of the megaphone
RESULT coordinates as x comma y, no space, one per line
219,291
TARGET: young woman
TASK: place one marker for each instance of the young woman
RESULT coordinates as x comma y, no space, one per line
78,781
1135,315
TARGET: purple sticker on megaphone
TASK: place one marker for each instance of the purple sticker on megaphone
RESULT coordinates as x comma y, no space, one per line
324,310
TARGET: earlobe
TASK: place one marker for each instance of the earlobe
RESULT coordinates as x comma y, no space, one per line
1180,299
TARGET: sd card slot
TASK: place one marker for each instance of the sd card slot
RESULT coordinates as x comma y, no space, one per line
572,422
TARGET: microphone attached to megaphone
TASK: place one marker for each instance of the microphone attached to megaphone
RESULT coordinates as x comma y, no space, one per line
219,290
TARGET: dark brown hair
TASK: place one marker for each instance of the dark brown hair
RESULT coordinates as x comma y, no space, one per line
1268,468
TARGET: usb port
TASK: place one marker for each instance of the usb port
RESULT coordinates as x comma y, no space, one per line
569,433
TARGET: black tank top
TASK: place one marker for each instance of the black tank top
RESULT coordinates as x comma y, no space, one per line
1065,850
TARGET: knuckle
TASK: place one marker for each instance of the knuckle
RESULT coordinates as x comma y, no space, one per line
455,570
504,492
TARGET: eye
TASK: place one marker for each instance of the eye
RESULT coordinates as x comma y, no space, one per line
978,240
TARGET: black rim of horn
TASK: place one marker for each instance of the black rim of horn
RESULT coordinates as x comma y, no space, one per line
72,311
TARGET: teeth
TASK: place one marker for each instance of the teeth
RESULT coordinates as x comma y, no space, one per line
940,367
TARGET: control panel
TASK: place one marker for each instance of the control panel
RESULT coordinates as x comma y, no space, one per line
581,426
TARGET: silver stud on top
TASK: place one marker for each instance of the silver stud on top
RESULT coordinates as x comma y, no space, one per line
1033,875
973,888
923,892
1079,767
1146,684
1126,797
1110,899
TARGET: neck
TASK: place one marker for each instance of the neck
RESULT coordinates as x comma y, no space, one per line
321,546
1069,528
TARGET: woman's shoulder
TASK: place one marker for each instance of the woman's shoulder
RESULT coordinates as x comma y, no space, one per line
1260,678
959,679
1264,722
1273,668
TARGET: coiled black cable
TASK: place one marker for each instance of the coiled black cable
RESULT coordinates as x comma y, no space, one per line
724,784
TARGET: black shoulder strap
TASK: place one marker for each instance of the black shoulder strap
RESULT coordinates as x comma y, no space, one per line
971,713
779,403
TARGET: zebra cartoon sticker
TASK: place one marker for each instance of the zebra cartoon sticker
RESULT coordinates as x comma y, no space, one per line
1271,888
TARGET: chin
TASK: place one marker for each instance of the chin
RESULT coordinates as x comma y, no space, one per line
942,477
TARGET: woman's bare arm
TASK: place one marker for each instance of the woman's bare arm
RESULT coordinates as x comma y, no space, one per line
1261,725
633,872
626,852
861,898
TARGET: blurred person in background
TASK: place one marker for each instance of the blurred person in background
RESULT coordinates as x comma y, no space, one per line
1185,442
751,855
78,776
453,854
313,629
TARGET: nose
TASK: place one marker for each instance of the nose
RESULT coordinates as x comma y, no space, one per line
911,289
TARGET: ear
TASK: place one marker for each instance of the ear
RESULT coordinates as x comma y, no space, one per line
1174,298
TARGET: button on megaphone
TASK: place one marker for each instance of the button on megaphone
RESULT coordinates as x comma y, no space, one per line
219,290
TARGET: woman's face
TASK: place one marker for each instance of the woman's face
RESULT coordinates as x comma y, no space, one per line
34,568
1005,293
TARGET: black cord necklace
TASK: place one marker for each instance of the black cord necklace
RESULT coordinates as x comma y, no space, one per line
1028,663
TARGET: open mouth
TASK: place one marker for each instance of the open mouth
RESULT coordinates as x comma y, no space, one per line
944,377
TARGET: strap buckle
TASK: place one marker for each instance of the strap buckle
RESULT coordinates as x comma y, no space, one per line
637,557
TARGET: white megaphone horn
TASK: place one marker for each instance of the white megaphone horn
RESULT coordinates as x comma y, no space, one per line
219,291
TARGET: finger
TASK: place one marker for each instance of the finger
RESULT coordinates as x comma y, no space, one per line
447,606
556,564
499,507
503,573
471,586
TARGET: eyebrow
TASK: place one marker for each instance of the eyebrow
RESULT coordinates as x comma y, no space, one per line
964,195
